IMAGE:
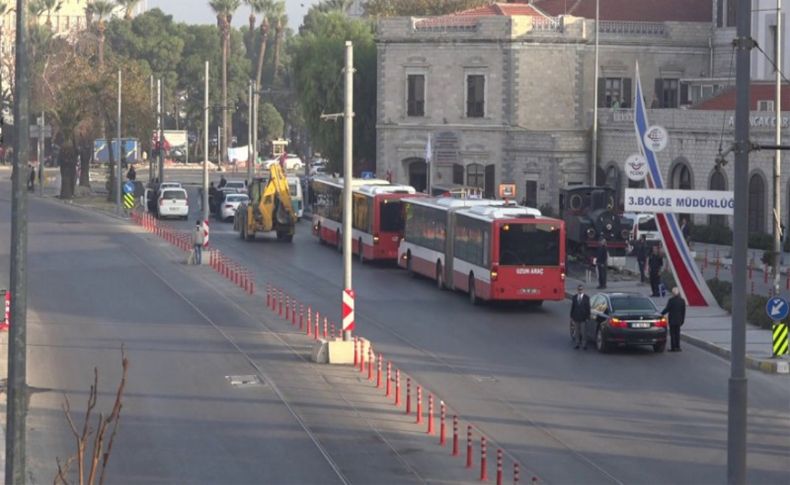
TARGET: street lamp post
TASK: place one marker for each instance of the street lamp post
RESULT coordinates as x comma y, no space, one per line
205,145
778,153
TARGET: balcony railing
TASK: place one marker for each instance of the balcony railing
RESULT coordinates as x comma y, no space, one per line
633,28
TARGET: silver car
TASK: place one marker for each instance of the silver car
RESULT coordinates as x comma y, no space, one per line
228,208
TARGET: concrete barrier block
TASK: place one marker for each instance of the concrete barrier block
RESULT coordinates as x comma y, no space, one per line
341,352
320,352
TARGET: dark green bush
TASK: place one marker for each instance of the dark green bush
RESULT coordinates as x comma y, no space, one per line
755,304
711,234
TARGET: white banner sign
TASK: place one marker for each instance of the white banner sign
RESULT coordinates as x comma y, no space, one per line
718,202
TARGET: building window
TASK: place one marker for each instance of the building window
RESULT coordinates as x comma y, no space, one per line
458,174
667,92
731,12
765,105
614,92
475,95
681,177
531,193
475,175
756,204
415,96
717,182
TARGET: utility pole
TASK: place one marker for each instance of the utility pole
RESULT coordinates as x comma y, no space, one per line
348,168
594,154
159,132
255,100
42,122
151,158
119,161
206,108
778,154
250,102
16,413
736,409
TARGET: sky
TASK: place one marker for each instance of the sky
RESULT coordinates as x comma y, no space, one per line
198,11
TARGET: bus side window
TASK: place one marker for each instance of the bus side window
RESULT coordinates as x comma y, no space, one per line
486,259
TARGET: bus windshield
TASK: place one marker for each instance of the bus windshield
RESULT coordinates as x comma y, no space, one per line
529,244
391,216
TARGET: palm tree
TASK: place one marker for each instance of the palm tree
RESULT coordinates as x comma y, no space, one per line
224,9
102,9
50,6
128,7
262,7
280,20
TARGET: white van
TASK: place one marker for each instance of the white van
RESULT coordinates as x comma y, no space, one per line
644,225
172,202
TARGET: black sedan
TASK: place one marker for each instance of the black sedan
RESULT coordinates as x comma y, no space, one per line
620,319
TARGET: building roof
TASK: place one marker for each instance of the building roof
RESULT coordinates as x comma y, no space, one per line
759,92
632,10
468,18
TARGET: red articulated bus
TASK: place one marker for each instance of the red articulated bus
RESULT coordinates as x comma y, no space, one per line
377,215
490,249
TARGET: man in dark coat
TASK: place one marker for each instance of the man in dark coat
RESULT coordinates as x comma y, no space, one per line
580,313
602,260
676,311
655,264
641,251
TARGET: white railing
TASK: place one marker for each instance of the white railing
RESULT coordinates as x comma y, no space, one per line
445,24
633,28
546,24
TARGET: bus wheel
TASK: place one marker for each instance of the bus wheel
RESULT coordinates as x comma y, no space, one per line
439,276
361,251
408,265
472,292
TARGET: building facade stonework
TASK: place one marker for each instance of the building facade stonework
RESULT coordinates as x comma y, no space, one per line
509,98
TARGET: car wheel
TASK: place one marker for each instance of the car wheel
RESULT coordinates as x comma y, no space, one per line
439,276
361,250
600,343
472,291
659,347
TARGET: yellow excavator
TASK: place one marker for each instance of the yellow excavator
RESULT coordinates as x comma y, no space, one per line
269,208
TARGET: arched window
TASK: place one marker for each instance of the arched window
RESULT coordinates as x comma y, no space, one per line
681,177
418,173
717,182
756,203
475,175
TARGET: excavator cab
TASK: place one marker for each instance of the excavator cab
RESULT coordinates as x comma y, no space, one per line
270,207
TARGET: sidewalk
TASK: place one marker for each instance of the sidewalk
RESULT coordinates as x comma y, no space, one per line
709,329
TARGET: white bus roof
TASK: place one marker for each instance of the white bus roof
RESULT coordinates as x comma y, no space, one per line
446,203
386,189
490,213
366,185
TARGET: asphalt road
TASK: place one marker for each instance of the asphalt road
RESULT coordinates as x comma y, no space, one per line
97,283
573,417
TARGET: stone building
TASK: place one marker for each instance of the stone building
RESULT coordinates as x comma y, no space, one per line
506,91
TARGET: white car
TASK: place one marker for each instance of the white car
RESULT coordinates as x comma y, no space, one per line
173,202
228,208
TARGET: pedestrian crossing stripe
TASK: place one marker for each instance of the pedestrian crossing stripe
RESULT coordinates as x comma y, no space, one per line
780,339
128,200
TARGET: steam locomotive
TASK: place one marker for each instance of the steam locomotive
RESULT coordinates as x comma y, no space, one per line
591,213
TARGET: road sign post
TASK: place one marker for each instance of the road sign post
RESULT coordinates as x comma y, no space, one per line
348,310
128,194
777,309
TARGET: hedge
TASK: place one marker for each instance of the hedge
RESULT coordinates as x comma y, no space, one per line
755,304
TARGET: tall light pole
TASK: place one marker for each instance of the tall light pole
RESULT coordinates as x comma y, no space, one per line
737,389
594,154
118,170
255,100
778,153
250,103
160,132
206,108
16,412
348,168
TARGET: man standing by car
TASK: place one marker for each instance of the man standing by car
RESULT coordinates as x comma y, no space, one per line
676,311
602,261
580,313
641,251
655,264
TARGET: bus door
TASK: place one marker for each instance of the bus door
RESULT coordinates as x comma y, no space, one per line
449,253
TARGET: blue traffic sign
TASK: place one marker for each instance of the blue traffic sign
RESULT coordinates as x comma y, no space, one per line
128,187
777,308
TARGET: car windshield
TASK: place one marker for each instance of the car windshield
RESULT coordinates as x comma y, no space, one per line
174,195
236,198
632,303
235,185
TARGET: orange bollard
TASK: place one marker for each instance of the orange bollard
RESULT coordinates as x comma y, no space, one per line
483,460
442,427
293,313
397,387
408,395
356,351
468,446
309,318
326,328
430,414
378,371
389,379
301,316
287,307
455,435
499,466
419,404
370,362
516,474
317,320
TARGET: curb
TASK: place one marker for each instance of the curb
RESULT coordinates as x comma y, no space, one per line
767,366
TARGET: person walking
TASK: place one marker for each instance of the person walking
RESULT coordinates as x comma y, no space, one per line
131,174
31,179
580,313
676,312
601,261
198,239
685,230
655,264
222,181
642,252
